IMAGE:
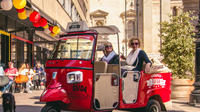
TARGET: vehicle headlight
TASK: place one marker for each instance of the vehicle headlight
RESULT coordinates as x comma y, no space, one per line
44,93
75,77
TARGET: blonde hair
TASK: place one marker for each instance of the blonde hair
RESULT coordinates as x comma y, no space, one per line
131,40
107,43
22,67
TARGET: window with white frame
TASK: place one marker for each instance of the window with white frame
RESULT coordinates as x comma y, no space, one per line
175,11
131,28
68,7
75,15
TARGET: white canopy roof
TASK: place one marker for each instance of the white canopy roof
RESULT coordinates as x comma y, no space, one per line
106,30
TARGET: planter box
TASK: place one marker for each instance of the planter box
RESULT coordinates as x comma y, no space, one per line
181,88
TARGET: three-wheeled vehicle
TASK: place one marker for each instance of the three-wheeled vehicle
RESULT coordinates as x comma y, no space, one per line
77,82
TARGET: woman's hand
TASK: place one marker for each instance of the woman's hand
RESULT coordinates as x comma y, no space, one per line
122,56
147,67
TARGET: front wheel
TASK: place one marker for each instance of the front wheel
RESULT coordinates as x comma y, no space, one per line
50,108
153,106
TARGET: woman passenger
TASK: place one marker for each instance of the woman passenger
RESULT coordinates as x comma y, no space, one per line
137,56
109,54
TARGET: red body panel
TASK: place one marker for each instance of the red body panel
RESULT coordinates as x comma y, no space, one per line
56,94
150,85
78,95
65,66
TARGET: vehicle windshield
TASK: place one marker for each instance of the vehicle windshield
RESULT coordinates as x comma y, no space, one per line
74,48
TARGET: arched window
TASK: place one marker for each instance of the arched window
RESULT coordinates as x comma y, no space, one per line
175,11
131,30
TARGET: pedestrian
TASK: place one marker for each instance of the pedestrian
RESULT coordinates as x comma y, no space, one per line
109,54
136,57
29,82
23,77
11,72
39,75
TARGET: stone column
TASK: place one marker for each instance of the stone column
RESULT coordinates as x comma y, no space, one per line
154,12
165,9
147,25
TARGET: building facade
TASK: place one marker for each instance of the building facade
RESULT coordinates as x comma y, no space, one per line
22,42
139,18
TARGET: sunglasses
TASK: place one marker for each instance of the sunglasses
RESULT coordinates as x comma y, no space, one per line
134,43
108,46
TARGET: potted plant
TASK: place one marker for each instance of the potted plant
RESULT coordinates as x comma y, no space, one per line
178,50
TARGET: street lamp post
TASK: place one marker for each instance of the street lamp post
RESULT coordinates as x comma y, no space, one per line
137,14
195,94
125,19
125,23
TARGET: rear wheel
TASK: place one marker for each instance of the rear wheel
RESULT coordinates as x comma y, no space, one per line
50,108
153,106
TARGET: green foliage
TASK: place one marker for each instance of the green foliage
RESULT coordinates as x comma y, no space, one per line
178,45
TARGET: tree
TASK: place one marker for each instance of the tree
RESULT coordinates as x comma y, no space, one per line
178,46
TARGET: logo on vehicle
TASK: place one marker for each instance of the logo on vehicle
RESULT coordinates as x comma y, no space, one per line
156,83
79,88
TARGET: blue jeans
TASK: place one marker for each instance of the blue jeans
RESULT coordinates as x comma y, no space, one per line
7,87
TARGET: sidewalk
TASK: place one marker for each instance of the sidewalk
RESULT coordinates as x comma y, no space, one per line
179,106
183,106
29,102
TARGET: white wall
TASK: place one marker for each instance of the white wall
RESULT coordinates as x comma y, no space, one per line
114,8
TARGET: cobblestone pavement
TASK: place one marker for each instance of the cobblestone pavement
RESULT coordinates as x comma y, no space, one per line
29,102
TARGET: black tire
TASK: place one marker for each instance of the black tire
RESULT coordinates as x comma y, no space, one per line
153,106
50,108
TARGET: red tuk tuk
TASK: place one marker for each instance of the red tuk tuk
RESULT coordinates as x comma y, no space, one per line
77,82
